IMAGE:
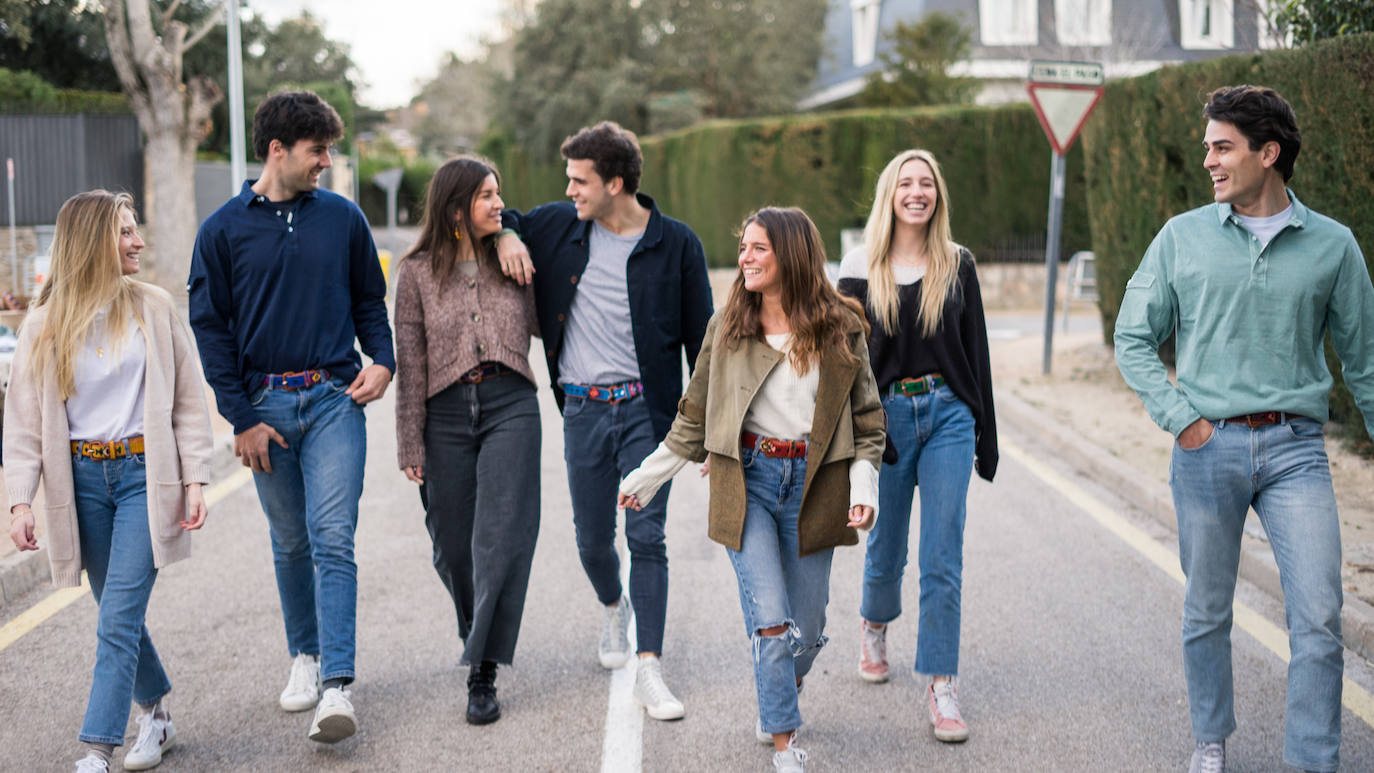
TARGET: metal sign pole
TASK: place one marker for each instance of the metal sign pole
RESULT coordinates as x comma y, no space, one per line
1052,253
238,164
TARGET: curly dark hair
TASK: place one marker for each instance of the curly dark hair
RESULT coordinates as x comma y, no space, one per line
612,149
1262,116
291,116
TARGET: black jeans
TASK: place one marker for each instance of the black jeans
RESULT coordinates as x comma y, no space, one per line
481,496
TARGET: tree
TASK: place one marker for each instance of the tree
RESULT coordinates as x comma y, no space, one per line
1307,21
173,111
655,64
60,41
455,106
915,70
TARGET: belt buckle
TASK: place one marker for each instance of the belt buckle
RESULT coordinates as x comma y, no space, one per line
474,375
767,446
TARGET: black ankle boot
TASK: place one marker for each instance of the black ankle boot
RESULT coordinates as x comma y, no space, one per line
482,706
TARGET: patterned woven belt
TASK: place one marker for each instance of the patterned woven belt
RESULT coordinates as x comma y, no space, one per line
614,393
115,449
1263,418
917,386
296,379
483,371
774,447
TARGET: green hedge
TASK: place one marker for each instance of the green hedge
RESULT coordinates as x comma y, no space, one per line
24,92
1143,155
996,161
410,198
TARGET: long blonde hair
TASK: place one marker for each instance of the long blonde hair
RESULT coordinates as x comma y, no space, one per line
816,313
84,278
942,273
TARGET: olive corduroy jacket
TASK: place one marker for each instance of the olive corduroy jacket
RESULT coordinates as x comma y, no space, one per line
848,423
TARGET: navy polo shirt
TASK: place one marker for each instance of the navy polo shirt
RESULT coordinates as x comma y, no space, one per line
279,288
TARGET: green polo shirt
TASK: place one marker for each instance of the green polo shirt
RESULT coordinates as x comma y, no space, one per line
1250,318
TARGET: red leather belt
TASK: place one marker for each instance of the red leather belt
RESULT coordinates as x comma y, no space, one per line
774,447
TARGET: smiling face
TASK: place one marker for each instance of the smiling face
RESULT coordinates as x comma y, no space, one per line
1239,174
914,201
302,164
593,196
757,262
485,212
130,242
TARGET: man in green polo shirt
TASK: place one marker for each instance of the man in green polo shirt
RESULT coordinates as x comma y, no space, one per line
1250,286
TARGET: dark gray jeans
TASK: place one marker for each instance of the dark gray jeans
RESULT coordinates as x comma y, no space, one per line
482,457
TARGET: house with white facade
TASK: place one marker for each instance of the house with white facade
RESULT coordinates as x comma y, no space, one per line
1129,37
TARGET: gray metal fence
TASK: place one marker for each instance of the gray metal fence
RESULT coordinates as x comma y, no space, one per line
56,156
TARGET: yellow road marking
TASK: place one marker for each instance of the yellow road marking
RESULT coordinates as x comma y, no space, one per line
1356,698
59,599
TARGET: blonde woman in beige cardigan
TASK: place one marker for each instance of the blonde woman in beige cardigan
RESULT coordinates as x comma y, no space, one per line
106,406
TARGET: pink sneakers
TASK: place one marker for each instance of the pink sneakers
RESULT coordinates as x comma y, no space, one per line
943,698
873,654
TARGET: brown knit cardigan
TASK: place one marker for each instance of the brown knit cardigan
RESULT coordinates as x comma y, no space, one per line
444,331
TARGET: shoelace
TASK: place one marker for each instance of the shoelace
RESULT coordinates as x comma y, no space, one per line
1213,758
613,638
301,679
335,697
876,644
145,730
945,701
89,764
653,684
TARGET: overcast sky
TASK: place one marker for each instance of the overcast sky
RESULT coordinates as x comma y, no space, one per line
396,43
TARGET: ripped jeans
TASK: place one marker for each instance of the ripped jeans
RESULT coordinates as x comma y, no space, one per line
777,587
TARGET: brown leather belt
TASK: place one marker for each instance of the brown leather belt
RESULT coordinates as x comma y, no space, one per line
774,447
115,449
1263,418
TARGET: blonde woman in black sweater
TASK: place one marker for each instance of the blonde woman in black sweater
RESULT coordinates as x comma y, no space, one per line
929,352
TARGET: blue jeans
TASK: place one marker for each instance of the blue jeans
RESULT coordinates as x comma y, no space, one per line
603,442
934,436
1281,470
112,523
779,587
311,502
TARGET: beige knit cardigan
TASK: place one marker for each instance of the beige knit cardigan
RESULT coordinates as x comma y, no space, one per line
176,431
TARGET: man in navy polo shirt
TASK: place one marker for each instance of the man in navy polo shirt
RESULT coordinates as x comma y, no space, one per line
283,278
621,292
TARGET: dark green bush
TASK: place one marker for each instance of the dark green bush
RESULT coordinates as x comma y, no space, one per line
996,161
25,92
1143,155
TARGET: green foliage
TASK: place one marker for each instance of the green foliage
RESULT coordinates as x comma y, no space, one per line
915,70
580,61
1312,20
1143,154
63,42
996,162
26,92
410,198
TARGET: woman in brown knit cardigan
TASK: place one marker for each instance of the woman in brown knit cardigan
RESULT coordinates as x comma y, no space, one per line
467,421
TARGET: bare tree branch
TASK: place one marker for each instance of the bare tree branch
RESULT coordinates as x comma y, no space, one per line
211,20
122,56
167,16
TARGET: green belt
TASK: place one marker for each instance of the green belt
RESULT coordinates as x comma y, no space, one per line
917,386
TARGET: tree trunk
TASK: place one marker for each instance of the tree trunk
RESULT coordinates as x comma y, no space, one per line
171,213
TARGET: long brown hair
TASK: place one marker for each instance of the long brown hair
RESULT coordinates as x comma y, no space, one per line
449,194
84,279
815,313
942,273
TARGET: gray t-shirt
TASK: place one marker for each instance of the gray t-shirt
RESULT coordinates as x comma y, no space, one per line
598,342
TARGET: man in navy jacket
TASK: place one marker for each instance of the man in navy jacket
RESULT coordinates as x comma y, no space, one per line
621,293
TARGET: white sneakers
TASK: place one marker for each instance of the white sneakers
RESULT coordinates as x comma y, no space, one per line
334,717
92,764
653,694
614,648
155,734
303,686
1208,757
791,759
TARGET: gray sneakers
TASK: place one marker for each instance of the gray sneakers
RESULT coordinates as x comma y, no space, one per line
614,649
1208,758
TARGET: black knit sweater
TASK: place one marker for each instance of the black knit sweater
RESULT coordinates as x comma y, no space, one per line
958,351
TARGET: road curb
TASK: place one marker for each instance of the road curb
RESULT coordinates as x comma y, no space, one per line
20,573
1257,564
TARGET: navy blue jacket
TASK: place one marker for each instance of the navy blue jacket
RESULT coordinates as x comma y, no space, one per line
670,297
272,294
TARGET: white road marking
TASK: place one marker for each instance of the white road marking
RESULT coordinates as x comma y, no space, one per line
622,750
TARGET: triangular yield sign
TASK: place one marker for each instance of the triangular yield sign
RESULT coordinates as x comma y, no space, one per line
1062,109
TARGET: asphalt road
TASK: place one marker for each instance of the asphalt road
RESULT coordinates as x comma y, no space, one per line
1071,656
